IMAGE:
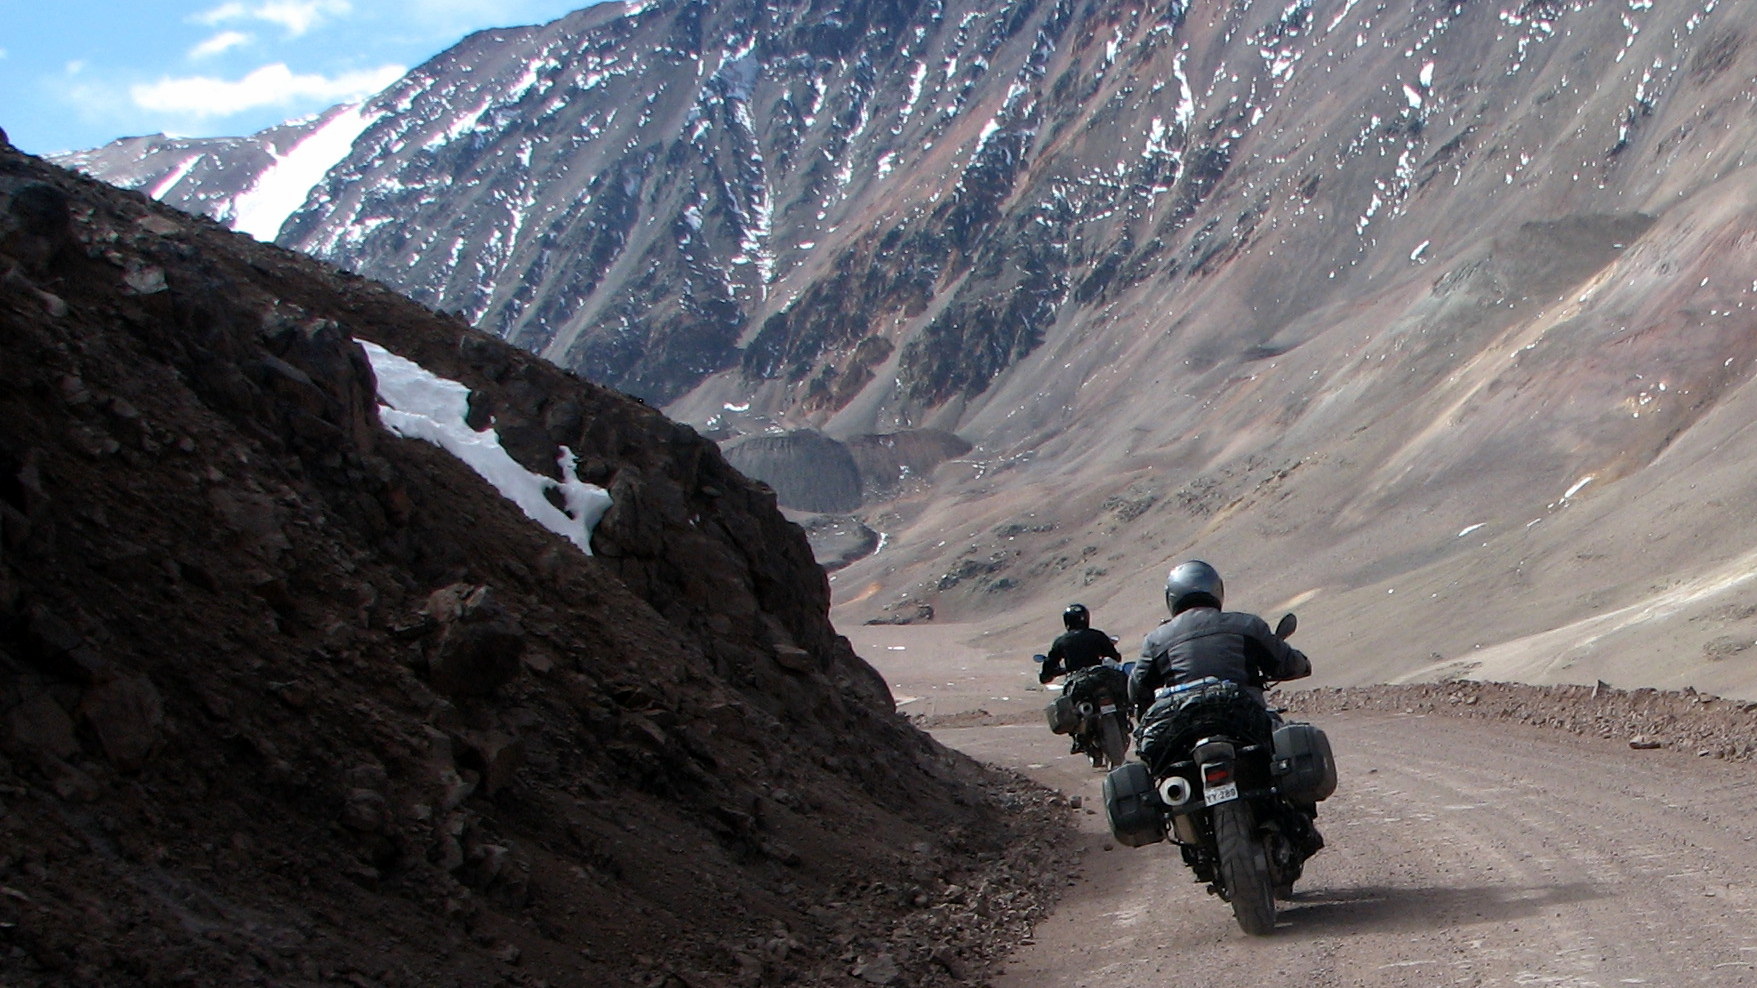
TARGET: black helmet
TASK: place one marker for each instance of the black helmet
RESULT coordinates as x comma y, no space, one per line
1077,616
1193,584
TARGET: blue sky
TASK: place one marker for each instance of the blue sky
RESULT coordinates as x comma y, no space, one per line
75,74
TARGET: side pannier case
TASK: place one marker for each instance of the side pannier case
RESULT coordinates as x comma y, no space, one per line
1062,715
1304,769
1137,816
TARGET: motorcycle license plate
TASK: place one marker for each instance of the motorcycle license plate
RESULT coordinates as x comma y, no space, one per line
1220,794
1107,709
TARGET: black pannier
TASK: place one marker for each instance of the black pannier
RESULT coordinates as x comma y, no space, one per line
1304,768
1176,721
1132,803
1062,716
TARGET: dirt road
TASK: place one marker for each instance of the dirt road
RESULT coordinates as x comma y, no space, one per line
1460,853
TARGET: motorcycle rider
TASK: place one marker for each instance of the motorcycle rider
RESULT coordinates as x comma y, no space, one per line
1081,645
1201,640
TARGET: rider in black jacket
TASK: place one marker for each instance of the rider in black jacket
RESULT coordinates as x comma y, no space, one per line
1202,640
1078,647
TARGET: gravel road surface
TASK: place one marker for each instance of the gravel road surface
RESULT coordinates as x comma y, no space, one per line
1461,852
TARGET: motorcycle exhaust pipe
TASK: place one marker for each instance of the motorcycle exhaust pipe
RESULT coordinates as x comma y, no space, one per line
1174,790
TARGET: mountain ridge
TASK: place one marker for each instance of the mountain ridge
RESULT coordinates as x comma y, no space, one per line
1307,288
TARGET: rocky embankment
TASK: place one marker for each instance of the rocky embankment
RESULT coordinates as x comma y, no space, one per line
1685,720
287,699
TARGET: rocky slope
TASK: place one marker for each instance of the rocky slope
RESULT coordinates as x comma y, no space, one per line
1435,319
288,699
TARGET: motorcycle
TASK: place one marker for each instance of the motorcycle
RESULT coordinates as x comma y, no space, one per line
1093,709
1235,792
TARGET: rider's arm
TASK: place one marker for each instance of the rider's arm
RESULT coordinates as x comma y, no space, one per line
1143,680
1108,648
1278,659
1052,663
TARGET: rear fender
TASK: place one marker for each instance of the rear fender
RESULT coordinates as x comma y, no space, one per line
1213,752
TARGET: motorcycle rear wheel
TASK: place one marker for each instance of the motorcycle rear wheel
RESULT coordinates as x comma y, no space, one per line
1111,735
1244,867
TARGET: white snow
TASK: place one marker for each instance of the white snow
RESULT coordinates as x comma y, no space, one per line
176,175
416,404
282,188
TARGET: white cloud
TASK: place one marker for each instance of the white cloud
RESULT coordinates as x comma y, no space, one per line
297,16
300,16
224,41
223,14
272,85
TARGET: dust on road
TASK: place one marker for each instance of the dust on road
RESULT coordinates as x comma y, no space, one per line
1461,852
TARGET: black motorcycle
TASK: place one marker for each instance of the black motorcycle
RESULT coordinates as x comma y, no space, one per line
1093,709
1236,792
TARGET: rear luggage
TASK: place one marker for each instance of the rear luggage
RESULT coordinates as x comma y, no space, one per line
1137,816
1187,714
1062,715
1087,683
1303,767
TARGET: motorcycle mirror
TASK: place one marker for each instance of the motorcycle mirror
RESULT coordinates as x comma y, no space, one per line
1284,627
1040,658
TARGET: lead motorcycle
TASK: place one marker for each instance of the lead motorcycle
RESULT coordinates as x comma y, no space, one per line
1232,789
1094,710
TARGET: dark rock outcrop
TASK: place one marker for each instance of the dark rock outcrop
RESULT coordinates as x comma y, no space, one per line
285,698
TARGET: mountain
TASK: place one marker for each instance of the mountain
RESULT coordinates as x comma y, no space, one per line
288,697
1433,321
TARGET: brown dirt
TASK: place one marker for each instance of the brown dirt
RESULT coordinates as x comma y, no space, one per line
1483,834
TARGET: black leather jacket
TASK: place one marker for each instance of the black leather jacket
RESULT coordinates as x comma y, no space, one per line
1203,641
1077,649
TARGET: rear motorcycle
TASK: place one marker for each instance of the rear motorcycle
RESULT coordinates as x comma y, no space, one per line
1093,709
1236,792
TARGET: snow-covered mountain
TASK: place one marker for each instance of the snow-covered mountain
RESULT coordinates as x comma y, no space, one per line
1358,298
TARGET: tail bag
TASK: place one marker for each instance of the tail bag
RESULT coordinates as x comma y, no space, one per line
1087,683
1179,719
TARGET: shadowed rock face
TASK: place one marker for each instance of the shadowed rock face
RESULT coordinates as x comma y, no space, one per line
285,698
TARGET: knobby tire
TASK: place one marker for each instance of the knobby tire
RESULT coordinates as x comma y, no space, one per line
1111,735
1244,867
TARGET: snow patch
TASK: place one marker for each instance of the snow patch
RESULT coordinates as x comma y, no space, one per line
416,404
176,175
278,192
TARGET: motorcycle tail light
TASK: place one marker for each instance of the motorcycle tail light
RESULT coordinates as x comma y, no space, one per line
1215,775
